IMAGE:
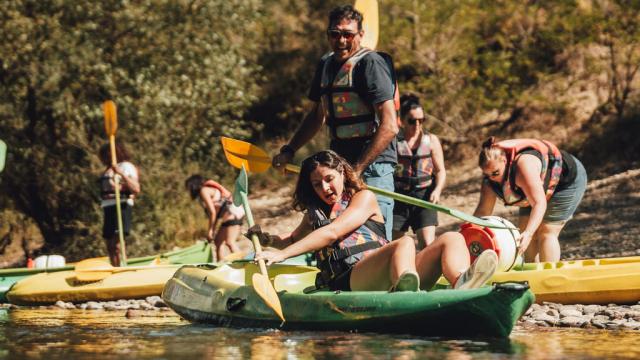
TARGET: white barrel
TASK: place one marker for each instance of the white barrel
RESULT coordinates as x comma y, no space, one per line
49,261
503,241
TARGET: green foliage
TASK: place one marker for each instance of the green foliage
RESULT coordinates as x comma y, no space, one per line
184,72
181,73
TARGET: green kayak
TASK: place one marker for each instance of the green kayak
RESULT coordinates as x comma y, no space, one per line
200,252
221,296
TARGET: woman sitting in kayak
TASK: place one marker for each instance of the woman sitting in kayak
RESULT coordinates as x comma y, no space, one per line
545,182
216,201
344,226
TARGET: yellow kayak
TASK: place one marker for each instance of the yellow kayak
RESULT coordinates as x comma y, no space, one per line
591,281
120,283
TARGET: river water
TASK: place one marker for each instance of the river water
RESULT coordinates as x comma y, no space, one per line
78,334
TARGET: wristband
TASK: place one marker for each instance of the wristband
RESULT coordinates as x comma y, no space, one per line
287,149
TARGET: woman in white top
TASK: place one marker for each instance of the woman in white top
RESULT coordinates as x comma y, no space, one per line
129,186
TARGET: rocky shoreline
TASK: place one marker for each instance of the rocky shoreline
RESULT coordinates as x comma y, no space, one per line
608,317
150,306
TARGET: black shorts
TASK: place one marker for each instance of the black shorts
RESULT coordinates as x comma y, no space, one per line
406,215
110,227
342,282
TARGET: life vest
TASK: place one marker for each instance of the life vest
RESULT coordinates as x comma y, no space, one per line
349,115
550,173
337,258
224,193
225,204
107,188
414,171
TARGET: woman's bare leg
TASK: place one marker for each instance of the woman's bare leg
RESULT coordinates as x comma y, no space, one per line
447,255
381,269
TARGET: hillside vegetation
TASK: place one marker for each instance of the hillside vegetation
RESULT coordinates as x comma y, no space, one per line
185,72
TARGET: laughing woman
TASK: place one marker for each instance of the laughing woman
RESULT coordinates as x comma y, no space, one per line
344,226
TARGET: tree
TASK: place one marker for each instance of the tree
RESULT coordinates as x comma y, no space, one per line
181,72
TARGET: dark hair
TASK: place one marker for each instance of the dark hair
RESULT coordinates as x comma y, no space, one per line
408,102
305,196
121,153
345,12
194,184
489,152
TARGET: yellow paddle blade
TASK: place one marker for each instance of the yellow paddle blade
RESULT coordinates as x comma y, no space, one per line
263,287
369,10
110,117
240,153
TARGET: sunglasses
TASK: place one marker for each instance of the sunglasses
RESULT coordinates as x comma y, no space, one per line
414,121
493,174
337,34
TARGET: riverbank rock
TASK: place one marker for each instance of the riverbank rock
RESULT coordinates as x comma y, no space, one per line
611,317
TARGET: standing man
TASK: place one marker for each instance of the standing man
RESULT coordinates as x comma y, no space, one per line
353,93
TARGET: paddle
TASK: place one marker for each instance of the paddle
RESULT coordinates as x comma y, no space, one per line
96,270
3,154
369,10
260,281
241,153
111,126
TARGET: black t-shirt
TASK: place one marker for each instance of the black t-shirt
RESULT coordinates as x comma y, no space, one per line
373,82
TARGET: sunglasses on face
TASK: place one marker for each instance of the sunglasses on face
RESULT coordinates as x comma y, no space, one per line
337,34
415,121
492,174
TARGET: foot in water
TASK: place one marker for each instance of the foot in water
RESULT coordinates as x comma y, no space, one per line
408,281
479,272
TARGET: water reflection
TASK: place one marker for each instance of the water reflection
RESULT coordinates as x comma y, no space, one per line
28,333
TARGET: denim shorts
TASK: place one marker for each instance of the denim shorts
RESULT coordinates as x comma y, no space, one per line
380,175
564,202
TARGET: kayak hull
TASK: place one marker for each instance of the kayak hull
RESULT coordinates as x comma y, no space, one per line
220,297
591,281
48,288
197,253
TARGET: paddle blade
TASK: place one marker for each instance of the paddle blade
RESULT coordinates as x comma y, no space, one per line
110,117
3,154
239,153
242,186
369,10
265,290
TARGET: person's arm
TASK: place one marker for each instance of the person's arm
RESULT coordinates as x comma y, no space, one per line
438,168
528,179
487,201
310,126
283,240
206,195
362,207
388,130
129,175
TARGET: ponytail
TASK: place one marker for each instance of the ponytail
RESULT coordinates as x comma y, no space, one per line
489,152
